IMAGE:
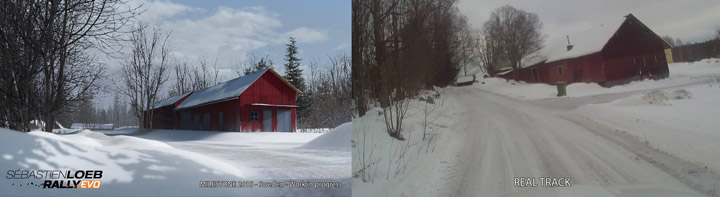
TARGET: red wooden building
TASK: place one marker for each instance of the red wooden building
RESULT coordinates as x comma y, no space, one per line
163,116
609,54
260,101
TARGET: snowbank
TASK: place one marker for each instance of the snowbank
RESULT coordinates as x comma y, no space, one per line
264,139
148,169
77,139
416,166
120,131
314,130
681,74
658,97
92,138
337,139
682,122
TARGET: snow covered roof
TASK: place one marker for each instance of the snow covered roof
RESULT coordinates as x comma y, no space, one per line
170,100
585,42
227,90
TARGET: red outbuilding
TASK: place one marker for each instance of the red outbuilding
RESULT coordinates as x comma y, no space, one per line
259,101
609,54
163,116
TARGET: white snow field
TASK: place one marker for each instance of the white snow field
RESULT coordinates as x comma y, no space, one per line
337,139
681,121
173,162
383,166
646,138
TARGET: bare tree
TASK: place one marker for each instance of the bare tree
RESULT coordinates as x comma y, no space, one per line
468,50
207,75
183,79
361,56
145,71
253,63
490,46
519,32
43,47
678,42
189,78
669,40
329,90
401,47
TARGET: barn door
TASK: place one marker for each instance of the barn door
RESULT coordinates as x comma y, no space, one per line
267,120
196,122
221,126
284,121
577,75
535,75
185,120
206,121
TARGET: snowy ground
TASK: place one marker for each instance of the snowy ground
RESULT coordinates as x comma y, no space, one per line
680,121
608,140
166,162
383,166
511,139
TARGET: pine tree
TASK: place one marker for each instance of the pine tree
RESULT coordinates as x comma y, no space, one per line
293,74
85,111
116,111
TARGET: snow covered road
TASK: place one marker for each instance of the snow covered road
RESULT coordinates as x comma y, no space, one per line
507,139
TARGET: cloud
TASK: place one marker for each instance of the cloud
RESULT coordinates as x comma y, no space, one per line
228,33
307,35
159,10
342,46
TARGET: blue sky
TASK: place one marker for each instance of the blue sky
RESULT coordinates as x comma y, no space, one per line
231,30
262,28
330,16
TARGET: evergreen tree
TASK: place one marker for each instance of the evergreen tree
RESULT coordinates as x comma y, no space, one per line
85,111
116,111
293,74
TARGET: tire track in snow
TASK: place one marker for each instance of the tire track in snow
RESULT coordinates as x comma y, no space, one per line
508,139
695,176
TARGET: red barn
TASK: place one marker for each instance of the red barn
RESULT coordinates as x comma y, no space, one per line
259,101
163,116
609,54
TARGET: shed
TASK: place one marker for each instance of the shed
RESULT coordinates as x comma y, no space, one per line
259,101
609,54
163,116
465,80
